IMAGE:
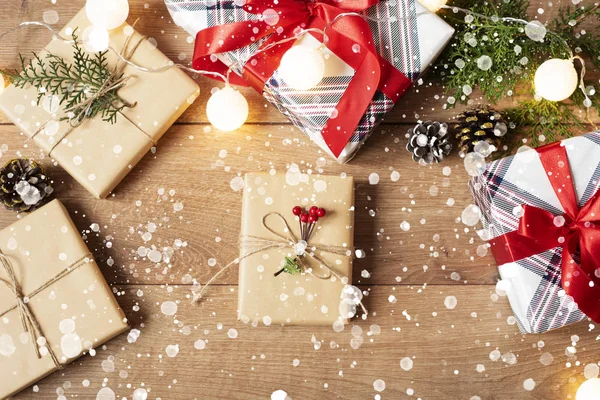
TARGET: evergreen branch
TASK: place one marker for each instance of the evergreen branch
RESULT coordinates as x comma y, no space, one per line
290,266
514,59
545,121
86,88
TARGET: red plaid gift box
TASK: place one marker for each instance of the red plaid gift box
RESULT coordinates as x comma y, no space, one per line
540,211
409,40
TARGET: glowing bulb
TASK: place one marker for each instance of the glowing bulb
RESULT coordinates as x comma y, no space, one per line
302,67
433,5
556,79
107,14
227,109
95,39
589,390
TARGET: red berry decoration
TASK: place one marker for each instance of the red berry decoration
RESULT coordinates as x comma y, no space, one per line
297,210
313,210
313,219
321,212
304,217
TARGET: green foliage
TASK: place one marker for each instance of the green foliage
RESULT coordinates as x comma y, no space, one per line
515,58
291,267
86,88
548,119
566,24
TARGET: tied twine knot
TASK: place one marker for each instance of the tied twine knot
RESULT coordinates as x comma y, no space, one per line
111,83
251,245
28,319
302,247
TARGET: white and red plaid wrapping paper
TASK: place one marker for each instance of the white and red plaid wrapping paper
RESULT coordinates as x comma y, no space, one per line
411,40
533,284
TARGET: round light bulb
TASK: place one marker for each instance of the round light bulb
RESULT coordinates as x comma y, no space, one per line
107,14
556,79
589,390
302,67
433,5
227,109
95,39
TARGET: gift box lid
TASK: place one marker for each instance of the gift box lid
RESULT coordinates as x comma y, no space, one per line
533,284
97,153
303,299
64,291
405,34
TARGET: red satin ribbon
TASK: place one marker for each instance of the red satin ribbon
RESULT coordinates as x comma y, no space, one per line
540,230
372,71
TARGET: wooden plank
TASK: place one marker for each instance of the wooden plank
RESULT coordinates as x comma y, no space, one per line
447,349
10,15
424,101
435,246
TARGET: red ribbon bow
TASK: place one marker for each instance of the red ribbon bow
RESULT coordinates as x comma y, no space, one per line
577,229
280,19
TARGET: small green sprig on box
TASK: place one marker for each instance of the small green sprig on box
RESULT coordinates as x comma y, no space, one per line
514,59
87,87
291,267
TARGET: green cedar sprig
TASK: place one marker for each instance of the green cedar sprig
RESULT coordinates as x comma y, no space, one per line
291,267
515,58
543,121
74,83
567,22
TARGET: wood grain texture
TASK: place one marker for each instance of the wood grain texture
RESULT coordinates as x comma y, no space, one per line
424,101
447,350
193,165
435,246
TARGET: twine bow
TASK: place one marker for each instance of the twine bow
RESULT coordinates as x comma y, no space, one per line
115,81
28,319
111,83
251,245
255,244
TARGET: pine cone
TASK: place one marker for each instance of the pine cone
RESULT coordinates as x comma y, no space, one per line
428,142
24,186
480,124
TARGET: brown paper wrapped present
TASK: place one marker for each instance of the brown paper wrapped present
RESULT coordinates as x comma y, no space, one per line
54,302
96,153
270,233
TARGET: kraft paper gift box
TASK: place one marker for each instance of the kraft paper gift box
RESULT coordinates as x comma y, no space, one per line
300,299
99,154
410,42
70,307
534,283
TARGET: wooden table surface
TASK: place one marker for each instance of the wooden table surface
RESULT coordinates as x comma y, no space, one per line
470,352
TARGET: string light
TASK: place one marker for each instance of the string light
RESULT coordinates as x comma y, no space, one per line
302,67
95,39
227,109
107,14
556,79
589,390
